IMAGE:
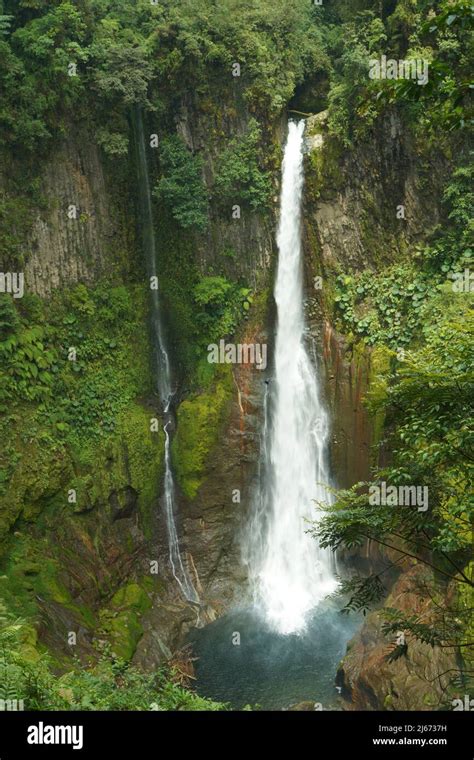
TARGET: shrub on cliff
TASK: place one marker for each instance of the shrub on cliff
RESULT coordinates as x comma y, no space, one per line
181,185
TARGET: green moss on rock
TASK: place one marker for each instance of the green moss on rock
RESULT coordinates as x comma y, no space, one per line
41,471
323,175
33,574
121,620
131,459
199,421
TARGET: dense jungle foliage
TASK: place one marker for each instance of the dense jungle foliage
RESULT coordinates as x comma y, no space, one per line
82,66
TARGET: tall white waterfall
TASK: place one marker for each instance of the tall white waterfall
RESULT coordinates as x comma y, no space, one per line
161,361
289,572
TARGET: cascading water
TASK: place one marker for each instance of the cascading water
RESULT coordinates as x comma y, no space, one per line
289,572
288,653
179,571
161,359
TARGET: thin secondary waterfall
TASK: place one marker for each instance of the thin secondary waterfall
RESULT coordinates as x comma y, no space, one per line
161,359
179,571
289,572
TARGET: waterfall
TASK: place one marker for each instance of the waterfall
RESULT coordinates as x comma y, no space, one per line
160,354
290,574
161,362
176,562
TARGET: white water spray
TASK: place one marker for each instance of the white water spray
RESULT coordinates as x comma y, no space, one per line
290,573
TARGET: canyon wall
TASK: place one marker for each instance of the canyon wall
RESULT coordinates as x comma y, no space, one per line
100,567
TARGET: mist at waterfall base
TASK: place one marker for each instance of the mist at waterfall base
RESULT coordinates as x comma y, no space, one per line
285,646
268,669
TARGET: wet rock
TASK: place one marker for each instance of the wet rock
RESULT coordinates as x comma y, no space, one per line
304,707
415,682
214,520
123,502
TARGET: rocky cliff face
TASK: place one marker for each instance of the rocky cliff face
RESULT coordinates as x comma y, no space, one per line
216,443
76,523
109,579
239,246
365,208
418,680
366,205
79,227
211,522
215,519
66,560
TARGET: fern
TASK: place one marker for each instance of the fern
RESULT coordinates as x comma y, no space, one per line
5,23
